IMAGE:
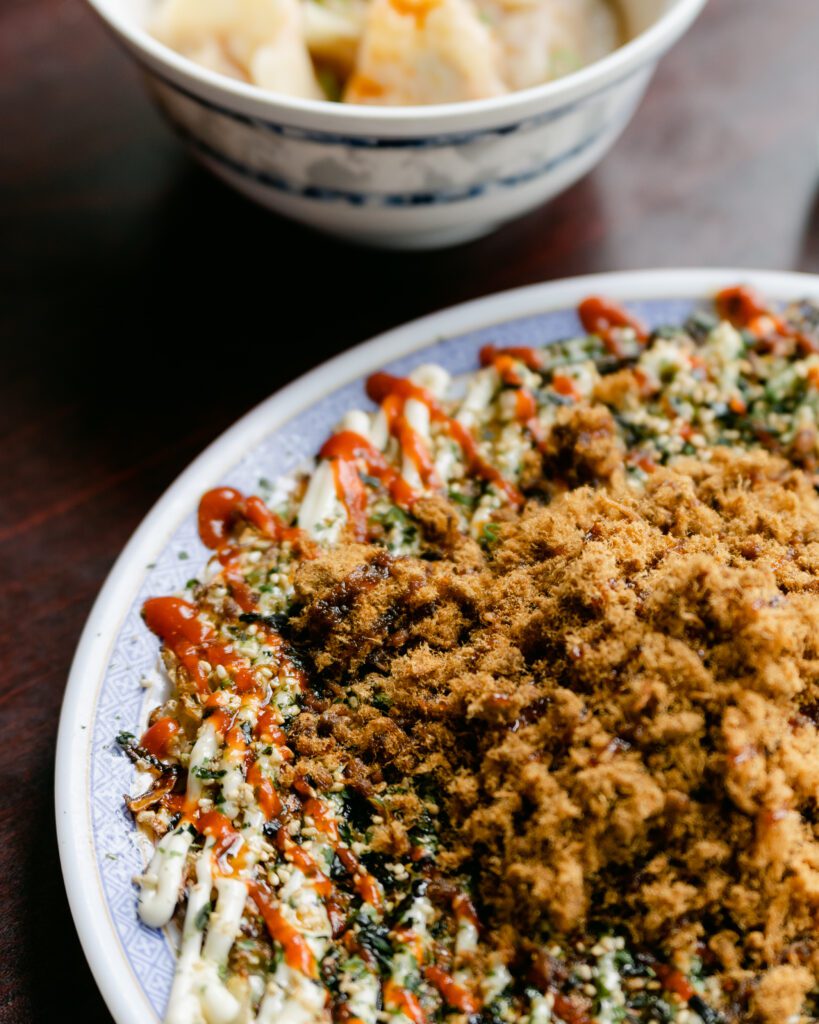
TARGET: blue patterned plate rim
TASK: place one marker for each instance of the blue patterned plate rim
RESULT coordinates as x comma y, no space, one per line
133,965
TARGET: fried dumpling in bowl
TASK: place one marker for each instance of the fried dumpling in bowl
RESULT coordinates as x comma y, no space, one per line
261,41
425,51
541,40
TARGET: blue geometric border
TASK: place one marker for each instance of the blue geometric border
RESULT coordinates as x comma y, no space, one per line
391,200
378,142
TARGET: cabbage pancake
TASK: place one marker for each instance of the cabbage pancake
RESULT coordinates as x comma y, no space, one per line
504,712
617,706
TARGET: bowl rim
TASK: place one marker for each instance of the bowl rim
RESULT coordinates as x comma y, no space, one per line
648,45
90,911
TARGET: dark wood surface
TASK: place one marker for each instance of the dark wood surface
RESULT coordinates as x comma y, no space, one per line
133,288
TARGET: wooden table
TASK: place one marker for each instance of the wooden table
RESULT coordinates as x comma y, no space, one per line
133,287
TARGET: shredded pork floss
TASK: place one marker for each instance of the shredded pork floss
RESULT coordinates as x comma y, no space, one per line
617,705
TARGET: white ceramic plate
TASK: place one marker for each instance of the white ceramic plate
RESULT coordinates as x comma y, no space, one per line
133,965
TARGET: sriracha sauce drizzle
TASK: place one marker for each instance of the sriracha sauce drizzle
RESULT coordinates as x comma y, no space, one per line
349,447
381,385
157,739
603,317
221,508
194,643
297,952
747,310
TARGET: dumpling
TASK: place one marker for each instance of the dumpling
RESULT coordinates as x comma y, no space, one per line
283,63
425,51
259,40
333,29
544,39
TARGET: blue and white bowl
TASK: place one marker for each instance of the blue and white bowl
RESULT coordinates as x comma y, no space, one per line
404,177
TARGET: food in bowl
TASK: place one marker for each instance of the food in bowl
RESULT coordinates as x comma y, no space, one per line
403,177
393,52
506,711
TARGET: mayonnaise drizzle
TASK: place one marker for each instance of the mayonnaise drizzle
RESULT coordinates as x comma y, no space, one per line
160,885
320,504
292,998
198,995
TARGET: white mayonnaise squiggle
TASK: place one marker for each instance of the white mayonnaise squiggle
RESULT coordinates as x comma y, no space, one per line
292,998
159,886
198,995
